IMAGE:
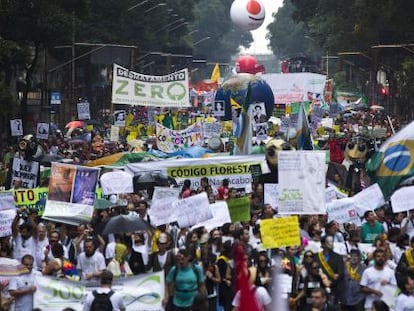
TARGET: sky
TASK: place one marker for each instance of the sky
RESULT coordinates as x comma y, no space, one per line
259,45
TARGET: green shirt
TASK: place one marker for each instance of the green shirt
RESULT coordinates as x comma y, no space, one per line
369,232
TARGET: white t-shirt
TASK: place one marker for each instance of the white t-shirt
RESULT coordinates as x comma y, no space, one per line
372,278
261,294
116,299
24,247
409,224
92,264
404,303
24,302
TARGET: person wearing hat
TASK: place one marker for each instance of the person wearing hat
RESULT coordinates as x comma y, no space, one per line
105,289
163,258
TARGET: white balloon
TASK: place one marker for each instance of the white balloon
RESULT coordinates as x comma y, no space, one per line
247,14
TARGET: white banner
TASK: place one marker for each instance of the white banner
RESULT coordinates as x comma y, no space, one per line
221,216
162,211
165,192
402,199
302,182
133,88
192,210
143,292
271,195
343,211
6,220
26,172
294,87
368,199
116,182
71,193
42,131
114,133
169,140
16,127
235,168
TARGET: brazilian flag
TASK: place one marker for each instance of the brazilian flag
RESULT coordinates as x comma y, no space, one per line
394,161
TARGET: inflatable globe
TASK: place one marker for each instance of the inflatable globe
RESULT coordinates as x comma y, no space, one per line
236,88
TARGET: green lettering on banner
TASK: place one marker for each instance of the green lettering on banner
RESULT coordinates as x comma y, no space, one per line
176,86
139,89
121,88
239,209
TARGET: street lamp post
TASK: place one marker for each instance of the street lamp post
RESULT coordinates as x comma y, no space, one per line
201,40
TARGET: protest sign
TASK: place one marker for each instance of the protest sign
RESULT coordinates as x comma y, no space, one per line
119,117
140,292
211,129
42,131
239,209
6,220
401,200
169,140
16,127
162,211
83,111
368,199
71,193
271,195
114,133
116,182
280,232
6,200
343,211
302,182
165,192
236,168
221,216
192,210
133,88
25,173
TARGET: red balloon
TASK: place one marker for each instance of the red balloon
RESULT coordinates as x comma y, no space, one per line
248,64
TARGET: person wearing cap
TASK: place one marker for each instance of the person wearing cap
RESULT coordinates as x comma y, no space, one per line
163,259
105,288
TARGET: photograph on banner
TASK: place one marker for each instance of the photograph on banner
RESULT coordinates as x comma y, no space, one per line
16,127
221,216
280,232
239,209
119,117
368,199
42,131
83,111
192,210
285,124
169,140
343,211
140,292
260,131
218,108
258,113
71,195
401,199
133,88
302,182
114,133
162,211
25,174
235,168
84,187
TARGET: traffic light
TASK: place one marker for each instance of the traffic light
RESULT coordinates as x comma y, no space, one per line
383,90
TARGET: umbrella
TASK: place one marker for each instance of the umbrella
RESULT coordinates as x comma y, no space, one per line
101,204
11,267
75,124
124,224
376,107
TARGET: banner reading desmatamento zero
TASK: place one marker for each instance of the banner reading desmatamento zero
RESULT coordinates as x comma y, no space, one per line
235,168
133,88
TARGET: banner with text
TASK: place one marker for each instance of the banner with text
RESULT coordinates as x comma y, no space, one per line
280,232
141,292
235,168
169,140
302,182
24,174
133,88
71,193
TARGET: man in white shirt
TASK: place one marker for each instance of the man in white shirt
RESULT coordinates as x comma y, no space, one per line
106,284
375,277
22,287
41,242
90,262
24,243
262,297
405,300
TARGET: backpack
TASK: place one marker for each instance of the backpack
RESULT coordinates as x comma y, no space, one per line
102,302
